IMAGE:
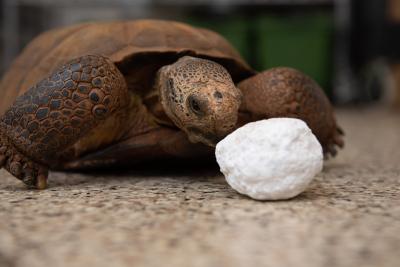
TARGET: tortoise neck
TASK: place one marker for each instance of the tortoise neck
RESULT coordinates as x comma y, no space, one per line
153,103
157,101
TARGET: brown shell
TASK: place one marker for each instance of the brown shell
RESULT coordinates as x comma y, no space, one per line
138,48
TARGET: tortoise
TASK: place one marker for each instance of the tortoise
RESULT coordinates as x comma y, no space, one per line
105,93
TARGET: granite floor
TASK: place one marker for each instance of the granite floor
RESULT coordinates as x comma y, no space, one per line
350,215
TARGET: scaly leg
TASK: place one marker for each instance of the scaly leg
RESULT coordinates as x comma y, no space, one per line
286,92
56,113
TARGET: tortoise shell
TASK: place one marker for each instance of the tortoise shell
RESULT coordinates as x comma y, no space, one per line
138,48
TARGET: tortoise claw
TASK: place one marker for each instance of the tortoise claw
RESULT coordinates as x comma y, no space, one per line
41,181
30,173
330,149
338,140
338,137
340,130
2,160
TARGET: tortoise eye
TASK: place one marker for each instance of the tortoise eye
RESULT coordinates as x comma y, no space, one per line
217,94
195,105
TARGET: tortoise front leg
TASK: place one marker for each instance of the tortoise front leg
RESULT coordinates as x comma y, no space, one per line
54,114
286,92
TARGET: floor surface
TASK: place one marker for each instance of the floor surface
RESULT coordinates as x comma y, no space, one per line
349,216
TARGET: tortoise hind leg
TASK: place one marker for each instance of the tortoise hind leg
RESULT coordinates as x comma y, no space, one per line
286,92
56,113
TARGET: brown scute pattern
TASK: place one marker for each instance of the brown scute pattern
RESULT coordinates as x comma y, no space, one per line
286,92
60,109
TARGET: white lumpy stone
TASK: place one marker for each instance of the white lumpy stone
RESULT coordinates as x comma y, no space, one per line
270,159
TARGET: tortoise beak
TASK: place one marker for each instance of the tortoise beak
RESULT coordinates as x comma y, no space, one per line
209,139
210,142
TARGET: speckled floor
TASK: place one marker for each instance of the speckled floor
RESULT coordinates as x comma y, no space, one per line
350,215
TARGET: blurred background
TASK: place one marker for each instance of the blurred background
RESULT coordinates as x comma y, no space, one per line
350,47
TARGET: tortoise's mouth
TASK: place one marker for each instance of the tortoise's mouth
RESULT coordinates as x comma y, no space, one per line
196,135
201,139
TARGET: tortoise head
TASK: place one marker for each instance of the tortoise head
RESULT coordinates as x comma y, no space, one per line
199,96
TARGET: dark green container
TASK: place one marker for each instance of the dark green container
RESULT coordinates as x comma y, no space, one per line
302,40
233,27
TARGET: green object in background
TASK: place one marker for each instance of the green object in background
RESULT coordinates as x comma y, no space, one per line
302,41
234,28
